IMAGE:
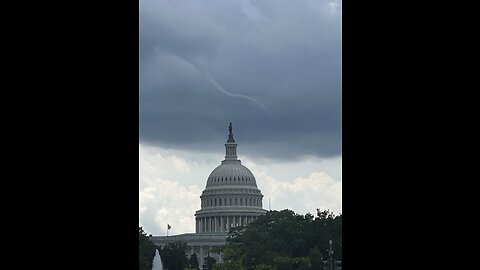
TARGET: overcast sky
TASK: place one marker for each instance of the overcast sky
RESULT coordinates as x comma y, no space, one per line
273,68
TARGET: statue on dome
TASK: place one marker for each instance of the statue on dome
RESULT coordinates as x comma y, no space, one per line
230,128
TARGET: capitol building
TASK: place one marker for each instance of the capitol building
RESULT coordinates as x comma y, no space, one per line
231,198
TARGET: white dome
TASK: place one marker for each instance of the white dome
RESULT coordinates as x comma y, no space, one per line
231,173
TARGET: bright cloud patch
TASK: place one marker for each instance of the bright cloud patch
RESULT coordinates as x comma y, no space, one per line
163,198
166,202
301,194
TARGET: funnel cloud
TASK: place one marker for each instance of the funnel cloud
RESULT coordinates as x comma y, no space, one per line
222,90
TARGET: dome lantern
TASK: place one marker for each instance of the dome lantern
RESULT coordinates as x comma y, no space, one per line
230,147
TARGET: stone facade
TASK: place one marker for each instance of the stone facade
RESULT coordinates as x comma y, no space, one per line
231,198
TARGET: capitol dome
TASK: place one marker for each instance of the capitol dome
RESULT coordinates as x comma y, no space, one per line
231,197
231,174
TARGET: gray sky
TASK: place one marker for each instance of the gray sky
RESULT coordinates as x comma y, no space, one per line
273,68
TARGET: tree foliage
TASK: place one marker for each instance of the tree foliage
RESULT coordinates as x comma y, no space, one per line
146,251
174,256
283,240
236,265
193,262
209,263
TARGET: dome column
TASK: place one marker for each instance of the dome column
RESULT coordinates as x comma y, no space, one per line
222,227
214,227
204,226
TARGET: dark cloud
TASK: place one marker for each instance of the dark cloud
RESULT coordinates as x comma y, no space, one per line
286,55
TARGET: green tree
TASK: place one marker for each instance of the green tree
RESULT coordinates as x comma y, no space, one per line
327,226
209,262
264,267
146,251
287,263
193,261
315,257
229,266
174,256
284,240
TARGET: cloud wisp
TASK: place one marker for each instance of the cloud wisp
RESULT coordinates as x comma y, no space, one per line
220,88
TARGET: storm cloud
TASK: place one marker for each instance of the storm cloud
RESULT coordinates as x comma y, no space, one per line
273,68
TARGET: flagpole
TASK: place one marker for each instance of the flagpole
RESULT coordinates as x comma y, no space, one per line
167,230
